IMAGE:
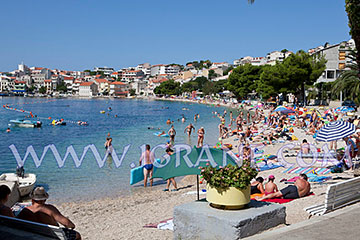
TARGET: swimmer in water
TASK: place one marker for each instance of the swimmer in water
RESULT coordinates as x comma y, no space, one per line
168,122
8,130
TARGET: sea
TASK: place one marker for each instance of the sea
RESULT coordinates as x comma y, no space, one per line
130,122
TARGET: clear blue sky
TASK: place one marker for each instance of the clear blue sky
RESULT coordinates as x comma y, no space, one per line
79,34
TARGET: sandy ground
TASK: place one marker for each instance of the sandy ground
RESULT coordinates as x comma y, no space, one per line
124,217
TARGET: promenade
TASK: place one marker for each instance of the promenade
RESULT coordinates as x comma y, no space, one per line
340,224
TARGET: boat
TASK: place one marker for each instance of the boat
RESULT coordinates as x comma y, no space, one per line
26,123
26,182
58,123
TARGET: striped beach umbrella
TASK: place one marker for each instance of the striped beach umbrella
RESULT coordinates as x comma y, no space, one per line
335,131
280,108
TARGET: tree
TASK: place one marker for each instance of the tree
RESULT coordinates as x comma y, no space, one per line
349,82
352,8
242,80
42,90
226,72
168,88
212,74
132,92
61,87
291,75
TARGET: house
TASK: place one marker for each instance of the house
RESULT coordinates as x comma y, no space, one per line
145,67
223,65
337,58
273,57
119,89
103,85
139,86
88,89
132,75
116,75
48,85
104,70
5,84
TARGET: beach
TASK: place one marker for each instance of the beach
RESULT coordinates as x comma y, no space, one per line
125,217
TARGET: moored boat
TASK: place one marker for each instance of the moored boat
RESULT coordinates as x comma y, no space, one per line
26,182
26,123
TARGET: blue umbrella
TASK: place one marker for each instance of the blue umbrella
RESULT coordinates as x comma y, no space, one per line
280,109
335,131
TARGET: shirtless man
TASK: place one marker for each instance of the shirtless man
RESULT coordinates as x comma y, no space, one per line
172,133
201,133
189,129
44,213
301,188
147,160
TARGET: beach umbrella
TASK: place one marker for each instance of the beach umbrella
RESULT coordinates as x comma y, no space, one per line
280,108
335,131
287,111
347,109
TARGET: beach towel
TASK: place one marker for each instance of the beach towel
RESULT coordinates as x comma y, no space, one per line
166,224
316,170
281,200
268,167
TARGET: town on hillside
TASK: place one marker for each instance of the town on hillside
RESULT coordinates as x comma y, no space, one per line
144,78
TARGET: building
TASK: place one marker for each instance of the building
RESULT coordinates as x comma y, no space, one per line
48,86
140,86
145,67
132,75
38,75
5,84
119,89
103,85
337,58
104,70
223,65
273,57
88,89
160,69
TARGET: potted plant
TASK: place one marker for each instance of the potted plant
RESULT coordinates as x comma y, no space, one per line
229,186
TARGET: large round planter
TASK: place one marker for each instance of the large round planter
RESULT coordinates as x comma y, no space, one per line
231,198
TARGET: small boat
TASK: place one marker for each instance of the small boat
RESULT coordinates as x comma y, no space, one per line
26,183
26,123
102,112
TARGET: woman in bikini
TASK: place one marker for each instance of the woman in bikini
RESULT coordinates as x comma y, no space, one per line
201,133
270,186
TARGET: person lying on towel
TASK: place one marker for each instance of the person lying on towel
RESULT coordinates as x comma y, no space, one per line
301,188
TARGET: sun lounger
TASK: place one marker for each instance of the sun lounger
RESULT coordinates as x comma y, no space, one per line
337,195
15,228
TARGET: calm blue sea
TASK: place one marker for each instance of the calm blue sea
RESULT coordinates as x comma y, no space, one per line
88,181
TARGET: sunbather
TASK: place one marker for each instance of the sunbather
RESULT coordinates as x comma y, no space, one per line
257,186
301,188
44,213
270,186
305,147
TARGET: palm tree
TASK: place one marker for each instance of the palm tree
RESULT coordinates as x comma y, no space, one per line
349,82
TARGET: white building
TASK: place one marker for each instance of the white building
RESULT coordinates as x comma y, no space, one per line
274,56
337,59
105,70
132,75
88,89
161,69
223,65
103,85
145,67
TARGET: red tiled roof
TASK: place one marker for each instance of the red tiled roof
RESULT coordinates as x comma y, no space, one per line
118,83
87,84
21,82
101,80
68,78
47,80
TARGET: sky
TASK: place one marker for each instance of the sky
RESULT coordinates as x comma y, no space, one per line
79,34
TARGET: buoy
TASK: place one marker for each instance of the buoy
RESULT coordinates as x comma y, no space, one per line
49,118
